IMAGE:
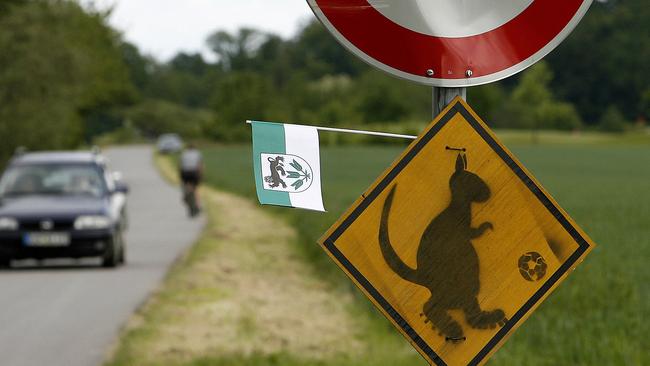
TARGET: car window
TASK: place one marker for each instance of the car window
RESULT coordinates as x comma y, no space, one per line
59,179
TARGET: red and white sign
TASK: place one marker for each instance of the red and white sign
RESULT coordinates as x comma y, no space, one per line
451,43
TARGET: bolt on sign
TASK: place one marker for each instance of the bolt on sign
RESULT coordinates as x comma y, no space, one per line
456,243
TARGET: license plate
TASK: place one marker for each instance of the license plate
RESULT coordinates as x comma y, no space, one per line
47,239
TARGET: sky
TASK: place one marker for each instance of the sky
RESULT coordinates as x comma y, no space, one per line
162,28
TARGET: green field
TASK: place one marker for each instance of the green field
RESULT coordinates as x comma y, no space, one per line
599,316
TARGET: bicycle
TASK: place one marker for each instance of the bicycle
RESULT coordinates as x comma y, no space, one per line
189,197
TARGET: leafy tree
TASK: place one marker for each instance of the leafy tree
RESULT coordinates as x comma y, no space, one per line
7,5
273,58
240,96
533,106
319,54
180,87
155,117
487,99
644,105
193,64
235,51
321,101
558,116
534,86
612,120
140,68
382,98
605,60
58,66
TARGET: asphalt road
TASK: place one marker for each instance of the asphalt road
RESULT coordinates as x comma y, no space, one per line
69,313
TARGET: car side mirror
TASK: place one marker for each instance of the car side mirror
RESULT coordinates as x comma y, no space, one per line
121,187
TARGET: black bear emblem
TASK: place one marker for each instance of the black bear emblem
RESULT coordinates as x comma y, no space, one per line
277,167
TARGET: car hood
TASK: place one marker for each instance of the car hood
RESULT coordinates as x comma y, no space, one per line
51,206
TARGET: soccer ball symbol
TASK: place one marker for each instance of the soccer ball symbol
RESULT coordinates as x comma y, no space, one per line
532,266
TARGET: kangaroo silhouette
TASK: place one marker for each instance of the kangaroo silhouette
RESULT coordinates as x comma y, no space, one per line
447,263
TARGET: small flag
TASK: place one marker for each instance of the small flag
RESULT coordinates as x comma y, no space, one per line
286,159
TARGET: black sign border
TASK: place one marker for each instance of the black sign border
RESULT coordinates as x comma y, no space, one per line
330,242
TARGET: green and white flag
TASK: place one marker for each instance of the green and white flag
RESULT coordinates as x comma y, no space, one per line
286,160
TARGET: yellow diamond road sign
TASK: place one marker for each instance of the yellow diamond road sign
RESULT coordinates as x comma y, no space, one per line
456,243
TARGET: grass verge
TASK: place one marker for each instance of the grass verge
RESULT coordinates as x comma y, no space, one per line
241,296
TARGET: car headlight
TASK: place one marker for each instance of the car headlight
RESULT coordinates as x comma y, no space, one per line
7,223
92,222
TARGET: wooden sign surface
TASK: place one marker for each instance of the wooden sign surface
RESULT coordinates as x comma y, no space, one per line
456,243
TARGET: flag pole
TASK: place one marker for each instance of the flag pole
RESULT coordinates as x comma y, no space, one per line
360,132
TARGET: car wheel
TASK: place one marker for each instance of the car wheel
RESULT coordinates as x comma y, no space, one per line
111,256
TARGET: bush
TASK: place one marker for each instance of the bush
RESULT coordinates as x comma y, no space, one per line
512,115
558,116
155,117
613,120
486,100
533,106
126,134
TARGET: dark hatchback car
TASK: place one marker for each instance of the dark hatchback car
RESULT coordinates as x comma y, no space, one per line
62,205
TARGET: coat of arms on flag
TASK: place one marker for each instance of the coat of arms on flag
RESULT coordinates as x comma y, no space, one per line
286,173
286,159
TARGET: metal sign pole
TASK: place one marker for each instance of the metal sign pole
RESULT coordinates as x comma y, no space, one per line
442,97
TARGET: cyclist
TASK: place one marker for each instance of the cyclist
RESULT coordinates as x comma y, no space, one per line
191,170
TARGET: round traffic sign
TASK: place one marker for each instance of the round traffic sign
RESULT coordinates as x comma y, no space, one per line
450,43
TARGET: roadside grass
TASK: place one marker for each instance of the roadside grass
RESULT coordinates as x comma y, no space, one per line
598,316
241,296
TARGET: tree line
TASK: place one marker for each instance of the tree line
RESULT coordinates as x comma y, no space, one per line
67,77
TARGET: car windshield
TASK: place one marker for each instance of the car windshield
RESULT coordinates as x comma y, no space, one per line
56,179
